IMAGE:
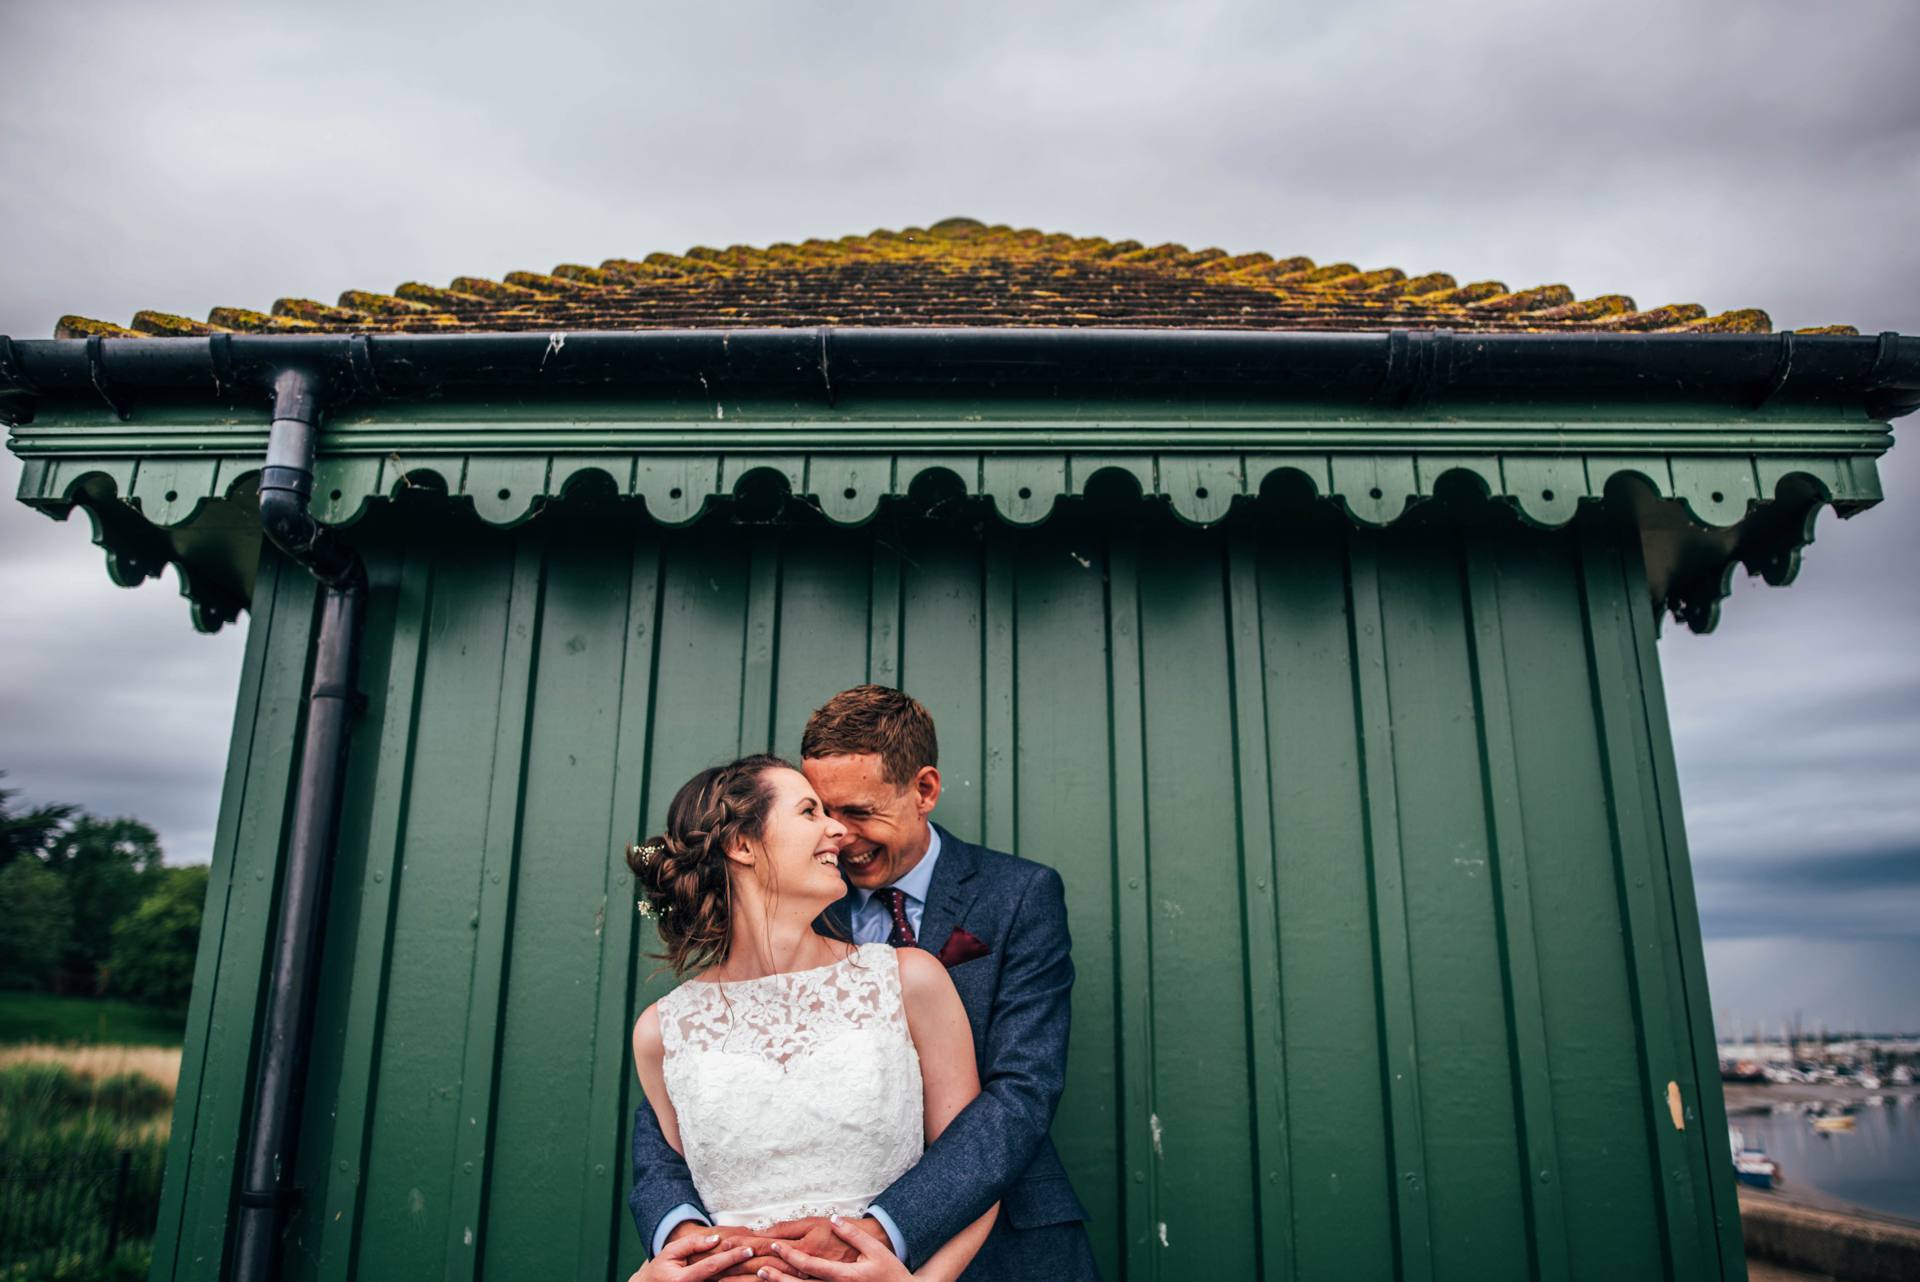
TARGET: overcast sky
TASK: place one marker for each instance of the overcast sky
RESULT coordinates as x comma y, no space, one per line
1747,154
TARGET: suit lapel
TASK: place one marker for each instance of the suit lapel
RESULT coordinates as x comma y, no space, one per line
950,893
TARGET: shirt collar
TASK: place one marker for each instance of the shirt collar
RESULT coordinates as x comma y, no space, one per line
916,882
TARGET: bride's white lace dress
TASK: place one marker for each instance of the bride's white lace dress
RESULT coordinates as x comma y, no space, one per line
796,1094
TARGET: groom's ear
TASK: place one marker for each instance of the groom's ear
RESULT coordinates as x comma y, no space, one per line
926,789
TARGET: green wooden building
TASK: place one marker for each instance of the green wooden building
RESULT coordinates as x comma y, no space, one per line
1304,617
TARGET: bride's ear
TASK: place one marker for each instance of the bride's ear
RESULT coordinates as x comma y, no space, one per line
743,854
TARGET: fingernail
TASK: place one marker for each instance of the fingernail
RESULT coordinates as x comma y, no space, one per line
712,1238
834,1218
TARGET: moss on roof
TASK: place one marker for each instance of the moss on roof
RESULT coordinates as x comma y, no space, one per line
956,272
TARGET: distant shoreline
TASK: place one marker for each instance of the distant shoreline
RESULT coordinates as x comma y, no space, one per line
1750,1097
1793,1193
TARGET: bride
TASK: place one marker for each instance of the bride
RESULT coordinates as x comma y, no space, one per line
798,1075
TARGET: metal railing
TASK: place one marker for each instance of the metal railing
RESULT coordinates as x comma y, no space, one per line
60,1212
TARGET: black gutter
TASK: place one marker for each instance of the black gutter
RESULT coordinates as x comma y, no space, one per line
266,1180
1397,369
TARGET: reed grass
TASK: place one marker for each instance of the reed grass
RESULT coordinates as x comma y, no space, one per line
160,1064
64,1191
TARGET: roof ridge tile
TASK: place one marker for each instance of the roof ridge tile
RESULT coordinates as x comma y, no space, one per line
1671,316
493,289
1588,308
86,327
1536,299
434,296
360,300
1414,287
1465,294
1746,320
308,309
167,325
240,320
540,282
1360,282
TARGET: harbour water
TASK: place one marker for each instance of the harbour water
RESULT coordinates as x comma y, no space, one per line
1875,1165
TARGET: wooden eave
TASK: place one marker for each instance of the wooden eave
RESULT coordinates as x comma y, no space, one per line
1721,449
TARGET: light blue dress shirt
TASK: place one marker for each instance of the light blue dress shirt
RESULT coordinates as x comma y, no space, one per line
872,923
873,920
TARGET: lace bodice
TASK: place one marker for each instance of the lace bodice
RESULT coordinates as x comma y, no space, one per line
796,1094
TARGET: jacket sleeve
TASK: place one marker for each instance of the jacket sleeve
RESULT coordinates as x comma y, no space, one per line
661,1180
985,1149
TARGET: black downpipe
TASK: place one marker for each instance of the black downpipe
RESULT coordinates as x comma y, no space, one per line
286,482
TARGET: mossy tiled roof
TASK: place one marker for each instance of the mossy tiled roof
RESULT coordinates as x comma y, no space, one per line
957,272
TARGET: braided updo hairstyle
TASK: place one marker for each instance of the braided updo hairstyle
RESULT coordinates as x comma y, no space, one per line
683,871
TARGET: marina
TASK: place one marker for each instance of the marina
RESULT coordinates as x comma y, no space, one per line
1831,1146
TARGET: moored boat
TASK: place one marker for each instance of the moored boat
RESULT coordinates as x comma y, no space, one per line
1751,1165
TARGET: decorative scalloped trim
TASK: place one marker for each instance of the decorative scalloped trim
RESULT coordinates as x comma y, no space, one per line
1374,490
98,489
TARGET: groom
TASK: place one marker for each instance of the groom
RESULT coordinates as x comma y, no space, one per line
999,923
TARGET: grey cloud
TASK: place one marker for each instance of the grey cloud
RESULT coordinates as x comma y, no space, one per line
1524,142
1889,868
1734,153
1839,983
1813,894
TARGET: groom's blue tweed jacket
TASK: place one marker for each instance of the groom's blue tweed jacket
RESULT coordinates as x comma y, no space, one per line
997,1148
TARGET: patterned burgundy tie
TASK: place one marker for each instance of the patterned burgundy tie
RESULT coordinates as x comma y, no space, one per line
901,936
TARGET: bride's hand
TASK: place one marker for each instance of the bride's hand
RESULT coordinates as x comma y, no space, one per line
671,1264
875,1263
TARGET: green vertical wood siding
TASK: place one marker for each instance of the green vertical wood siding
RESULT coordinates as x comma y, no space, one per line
1386,941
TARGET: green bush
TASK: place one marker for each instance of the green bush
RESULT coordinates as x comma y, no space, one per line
42,1092
131,1096
52,1093
131,1263
154,945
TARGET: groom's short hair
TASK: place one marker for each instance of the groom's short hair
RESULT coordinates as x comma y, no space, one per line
877,719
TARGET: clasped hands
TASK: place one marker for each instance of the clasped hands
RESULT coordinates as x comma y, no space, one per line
836,1250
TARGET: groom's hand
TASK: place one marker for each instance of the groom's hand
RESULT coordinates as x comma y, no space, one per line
687,1228
813,1235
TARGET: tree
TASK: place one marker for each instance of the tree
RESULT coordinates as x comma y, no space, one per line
39,918
26,833
104,868
108,866
155,945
